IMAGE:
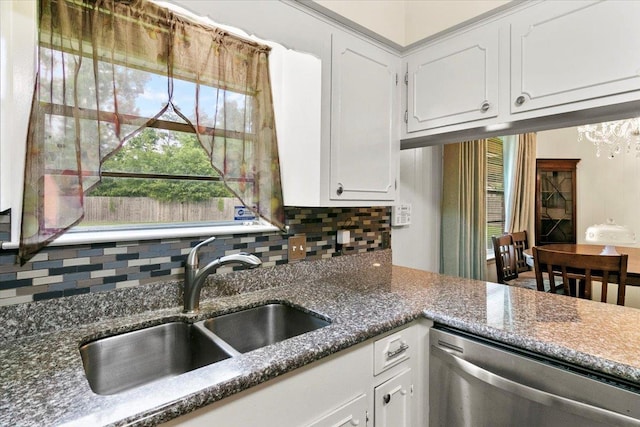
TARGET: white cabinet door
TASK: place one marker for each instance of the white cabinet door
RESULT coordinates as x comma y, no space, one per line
297,398
454,81
351,414
568,51
364,143
393,401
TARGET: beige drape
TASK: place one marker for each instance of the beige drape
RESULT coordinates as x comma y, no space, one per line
463,220
520,214
94,58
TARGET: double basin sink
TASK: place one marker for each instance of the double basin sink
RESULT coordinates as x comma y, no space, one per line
122,362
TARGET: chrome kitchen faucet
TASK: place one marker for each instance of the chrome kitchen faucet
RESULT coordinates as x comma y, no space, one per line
194,276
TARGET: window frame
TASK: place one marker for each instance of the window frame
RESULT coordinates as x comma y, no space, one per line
18,33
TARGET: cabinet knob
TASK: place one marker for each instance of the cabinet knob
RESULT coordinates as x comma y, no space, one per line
485,107
386,398
520,100
340,190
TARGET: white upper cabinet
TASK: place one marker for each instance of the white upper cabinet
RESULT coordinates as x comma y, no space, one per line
569,51
454,81
531,66
339,143
335,98
364,138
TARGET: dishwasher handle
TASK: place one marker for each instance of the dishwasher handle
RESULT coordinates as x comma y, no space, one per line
530,393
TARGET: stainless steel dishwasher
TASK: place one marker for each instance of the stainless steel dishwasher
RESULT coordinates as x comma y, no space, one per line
477,382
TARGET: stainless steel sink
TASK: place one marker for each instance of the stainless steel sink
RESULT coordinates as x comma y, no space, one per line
122,362
260,326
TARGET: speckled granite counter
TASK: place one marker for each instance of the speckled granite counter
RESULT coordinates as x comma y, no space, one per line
42,381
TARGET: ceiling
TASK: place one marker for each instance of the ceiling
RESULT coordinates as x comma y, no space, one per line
407,21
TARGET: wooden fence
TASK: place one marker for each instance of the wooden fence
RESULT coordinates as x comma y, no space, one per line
110,210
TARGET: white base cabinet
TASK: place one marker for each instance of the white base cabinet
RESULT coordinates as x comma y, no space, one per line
342,390
394,405
398,362
299,398
353,413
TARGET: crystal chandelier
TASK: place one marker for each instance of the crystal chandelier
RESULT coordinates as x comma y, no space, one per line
613,138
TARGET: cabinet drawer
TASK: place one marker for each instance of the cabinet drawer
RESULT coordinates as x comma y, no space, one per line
394,349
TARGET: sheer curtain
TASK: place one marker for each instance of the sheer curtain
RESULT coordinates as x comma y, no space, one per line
94,59
520,183
463,228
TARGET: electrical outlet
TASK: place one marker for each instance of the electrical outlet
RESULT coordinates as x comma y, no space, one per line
297,247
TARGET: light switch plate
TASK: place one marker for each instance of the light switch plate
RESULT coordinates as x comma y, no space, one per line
297,247
401,215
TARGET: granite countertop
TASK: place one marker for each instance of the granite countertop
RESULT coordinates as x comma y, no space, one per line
42,381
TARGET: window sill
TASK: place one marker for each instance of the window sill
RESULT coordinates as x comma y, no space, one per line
90,237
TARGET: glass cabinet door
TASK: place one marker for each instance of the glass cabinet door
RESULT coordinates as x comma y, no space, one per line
555,201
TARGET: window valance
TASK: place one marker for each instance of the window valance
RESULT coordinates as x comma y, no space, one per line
97,60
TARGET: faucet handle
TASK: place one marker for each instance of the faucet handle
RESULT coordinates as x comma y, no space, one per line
192,258
245,258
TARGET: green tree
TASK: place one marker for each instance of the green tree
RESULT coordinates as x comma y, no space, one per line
160,152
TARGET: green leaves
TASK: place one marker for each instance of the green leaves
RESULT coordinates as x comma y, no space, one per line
161,152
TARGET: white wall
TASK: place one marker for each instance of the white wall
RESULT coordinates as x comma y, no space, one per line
425,18
606,188
407,21
417,245
385,17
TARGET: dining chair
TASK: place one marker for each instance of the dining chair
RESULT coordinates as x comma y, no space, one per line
506,263
520,243
577,270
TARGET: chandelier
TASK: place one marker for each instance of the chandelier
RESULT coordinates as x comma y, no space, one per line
613,138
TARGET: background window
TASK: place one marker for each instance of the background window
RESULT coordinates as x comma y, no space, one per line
495,191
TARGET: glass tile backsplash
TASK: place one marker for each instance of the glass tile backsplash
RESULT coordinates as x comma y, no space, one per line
62,271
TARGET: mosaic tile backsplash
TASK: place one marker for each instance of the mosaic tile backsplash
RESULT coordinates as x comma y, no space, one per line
71,270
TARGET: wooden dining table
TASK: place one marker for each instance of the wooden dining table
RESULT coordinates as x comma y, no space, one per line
633,262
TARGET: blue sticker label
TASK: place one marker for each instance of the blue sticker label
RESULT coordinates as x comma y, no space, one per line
243,214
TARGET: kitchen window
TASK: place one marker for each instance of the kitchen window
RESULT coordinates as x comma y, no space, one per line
166,110
495,191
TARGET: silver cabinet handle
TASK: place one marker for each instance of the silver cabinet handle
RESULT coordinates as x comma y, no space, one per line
393,353
485,107
340,190
520,100
533,394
